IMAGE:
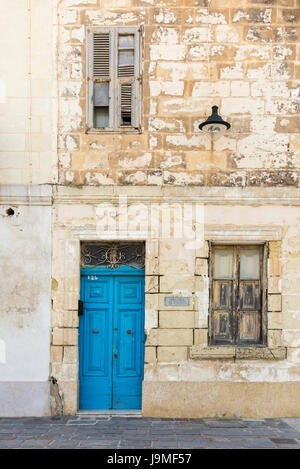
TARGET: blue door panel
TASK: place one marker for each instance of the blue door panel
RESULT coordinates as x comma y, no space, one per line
111,341
127,395
95,395
96,346
129,290
127,371
95,343
97,289
128,344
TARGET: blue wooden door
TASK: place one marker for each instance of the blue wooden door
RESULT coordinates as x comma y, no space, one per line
111,340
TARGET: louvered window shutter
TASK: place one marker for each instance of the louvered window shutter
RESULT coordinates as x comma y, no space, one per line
128,64
113,69
101,42
100,85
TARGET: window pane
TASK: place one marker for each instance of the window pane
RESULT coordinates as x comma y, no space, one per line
101,116
101,94
126,57
249,264
223,268
126,40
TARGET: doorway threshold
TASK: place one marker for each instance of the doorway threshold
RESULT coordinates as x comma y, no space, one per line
109,413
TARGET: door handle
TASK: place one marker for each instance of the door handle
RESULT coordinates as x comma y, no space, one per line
115,355
95,331
80,308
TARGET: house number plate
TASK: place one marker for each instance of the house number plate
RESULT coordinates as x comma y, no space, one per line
177,301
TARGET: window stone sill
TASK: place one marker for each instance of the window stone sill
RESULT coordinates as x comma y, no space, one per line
120,130
237,353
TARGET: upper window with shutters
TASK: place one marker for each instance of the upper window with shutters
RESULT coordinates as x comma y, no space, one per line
113,79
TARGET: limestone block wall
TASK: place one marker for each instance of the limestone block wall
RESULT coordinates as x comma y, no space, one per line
195,282
180,369
28,92
243,57
176,367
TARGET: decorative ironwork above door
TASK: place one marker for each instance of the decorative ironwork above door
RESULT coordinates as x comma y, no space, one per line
113,254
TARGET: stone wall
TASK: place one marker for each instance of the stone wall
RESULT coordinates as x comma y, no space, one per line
28,92
177,356
25,306
196,53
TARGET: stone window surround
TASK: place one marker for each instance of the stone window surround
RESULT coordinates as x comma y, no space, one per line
257,352
274,349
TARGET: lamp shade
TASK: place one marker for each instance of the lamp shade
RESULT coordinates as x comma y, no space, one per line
214,123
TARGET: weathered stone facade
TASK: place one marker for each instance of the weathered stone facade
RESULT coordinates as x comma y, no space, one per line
28,161
195,54
25,253
177,348
28,149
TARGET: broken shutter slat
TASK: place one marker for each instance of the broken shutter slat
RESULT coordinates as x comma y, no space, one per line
126,71
126,104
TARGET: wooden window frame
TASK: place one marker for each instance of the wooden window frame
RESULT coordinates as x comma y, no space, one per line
235,295
114,81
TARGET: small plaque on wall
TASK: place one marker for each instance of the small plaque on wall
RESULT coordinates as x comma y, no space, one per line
177,301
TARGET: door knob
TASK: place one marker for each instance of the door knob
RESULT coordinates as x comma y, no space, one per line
95,331
80,308
115,355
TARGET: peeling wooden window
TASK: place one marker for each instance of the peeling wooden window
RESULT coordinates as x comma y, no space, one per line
113,79
237,295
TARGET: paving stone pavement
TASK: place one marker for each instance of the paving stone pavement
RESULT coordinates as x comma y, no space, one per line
139,433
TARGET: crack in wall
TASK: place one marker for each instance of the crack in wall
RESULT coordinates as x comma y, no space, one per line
56,398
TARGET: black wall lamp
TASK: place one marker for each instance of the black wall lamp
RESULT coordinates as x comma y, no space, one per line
214,124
